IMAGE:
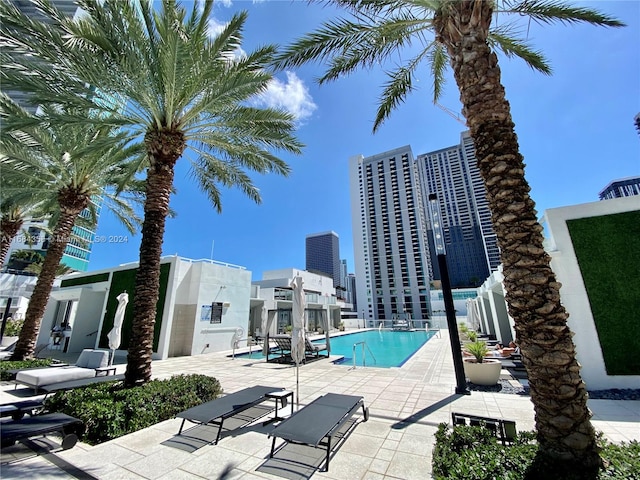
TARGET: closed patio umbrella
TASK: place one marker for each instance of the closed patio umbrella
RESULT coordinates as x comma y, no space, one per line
473,317
298,333
115,335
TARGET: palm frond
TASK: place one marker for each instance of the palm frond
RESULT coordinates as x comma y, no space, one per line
401,83
557,11
503,39
439,61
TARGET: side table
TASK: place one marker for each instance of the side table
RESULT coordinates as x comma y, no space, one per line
281,397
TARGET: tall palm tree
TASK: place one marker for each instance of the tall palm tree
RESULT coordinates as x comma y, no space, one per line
173,86
466,35
65,166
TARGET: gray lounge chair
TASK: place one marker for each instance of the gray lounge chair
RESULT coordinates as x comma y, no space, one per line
37,425
217,411
319,422
315,348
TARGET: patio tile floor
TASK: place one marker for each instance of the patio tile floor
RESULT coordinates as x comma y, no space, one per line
406,405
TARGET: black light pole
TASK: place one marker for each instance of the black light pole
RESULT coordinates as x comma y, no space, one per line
452,324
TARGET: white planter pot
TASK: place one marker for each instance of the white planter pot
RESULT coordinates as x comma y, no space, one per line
485,373
7,341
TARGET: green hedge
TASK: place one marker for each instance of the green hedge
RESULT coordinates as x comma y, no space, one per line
608,252
108,410
473,453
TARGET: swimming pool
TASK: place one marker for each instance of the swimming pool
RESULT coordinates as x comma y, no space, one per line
389,348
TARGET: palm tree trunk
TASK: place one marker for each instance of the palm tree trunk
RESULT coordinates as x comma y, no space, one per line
532,293
164,148
42,290
9,228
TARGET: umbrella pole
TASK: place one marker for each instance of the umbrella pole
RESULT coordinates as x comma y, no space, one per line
297,387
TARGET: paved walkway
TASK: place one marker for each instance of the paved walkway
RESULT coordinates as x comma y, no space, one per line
406,405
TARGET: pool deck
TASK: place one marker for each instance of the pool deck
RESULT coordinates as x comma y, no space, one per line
406,404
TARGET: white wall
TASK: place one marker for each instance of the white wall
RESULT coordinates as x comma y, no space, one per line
217,283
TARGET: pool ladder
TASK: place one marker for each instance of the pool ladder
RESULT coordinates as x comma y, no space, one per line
364,356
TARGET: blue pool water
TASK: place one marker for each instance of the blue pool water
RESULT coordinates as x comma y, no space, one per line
385,348
389,348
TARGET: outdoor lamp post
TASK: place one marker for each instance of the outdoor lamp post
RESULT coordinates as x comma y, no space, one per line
452,324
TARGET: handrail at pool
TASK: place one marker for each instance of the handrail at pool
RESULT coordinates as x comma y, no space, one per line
364,356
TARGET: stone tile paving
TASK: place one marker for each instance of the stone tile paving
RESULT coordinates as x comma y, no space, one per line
406,405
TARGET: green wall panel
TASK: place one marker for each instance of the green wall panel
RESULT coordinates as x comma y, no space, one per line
125,280
85,280
608,252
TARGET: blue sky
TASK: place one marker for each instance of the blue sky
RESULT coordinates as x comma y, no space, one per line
575,130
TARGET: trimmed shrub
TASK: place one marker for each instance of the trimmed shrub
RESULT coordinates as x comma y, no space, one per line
108,410
5,366
473,453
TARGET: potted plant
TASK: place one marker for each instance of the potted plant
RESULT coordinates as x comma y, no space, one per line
11,331
479,369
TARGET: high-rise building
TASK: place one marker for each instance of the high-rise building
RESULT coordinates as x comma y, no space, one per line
389,225
351,291
624,187
77,252
470,242
323,255
67,7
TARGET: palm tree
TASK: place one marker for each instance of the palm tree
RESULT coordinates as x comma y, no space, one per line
173,87
66,166
466,35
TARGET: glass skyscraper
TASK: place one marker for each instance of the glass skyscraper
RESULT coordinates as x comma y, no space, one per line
453,175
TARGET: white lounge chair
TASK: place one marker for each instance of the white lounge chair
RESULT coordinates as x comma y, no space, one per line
88,365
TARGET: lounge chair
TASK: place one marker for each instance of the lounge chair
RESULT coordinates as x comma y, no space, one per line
83,382
283,343
88,365
314,348
319,422
504,430
17,410
36,425
401,325
217,411
6,352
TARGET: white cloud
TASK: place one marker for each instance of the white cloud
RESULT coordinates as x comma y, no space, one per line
292,95
215,28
